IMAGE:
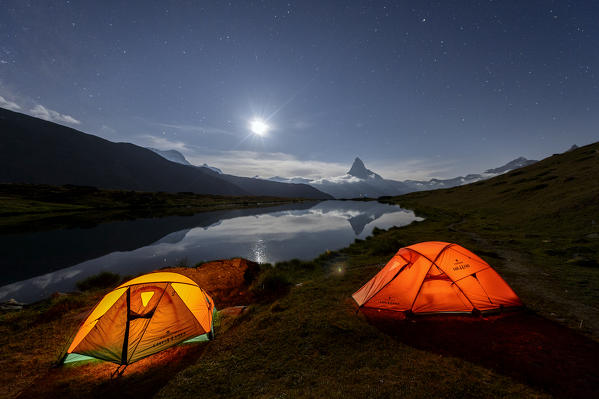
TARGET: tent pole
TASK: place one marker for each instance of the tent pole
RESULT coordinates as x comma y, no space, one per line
126,337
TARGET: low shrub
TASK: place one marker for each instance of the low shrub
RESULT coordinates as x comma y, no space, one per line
183,262
59,306
384,246
327,255
297,264
270,285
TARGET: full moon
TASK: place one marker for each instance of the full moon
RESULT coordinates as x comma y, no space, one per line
259,127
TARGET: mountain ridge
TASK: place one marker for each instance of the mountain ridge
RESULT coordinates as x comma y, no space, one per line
360,181
41,152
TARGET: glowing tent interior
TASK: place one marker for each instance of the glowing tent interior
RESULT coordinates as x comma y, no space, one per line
142,317
436,277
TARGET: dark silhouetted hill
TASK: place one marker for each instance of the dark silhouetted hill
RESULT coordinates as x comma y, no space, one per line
41,152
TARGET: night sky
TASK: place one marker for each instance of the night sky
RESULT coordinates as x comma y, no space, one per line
416,89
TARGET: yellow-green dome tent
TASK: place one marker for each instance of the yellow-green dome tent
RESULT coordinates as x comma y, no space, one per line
142,317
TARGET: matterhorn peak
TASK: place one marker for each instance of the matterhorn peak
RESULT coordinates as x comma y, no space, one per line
358,169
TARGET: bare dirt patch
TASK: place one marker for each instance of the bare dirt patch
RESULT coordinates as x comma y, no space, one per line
228,281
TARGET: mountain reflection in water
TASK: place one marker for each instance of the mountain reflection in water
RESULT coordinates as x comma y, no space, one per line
130,247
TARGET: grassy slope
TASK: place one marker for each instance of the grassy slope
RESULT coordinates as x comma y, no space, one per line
26,206
538,225
311,343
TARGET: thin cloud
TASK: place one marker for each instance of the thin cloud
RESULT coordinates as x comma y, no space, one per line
337,179
13,106
195,128
267,164
414,169
39,111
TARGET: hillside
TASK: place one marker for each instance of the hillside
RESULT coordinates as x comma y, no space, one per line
35,151
541,222
557,195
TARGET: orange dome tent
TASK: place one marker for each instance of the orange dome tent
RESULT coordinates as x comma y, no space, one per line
142,317
436,277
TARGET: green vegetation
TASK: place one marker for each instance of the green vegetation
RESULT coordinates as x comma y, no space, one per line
271,284
537,226
29,207
311,343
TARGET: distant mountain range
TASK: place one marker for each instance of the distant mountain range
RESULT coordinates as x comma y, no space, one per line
36,151
362,182
433,184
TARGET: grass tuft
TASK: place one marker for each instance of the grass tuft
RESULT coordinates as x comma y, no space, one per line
270,285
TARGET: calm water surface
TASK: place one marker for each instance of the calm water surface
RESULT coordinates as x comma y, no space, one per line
37,264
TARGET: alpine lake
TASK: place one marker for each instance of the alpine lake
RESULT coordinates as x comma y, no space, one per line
35,265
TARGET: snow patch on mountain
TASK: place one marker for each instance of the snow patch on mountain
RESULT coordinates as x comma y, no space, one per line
345,179
171,155
212,168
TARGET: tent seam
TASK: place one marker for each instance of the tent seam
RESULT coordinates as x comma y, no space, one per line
469,275
365,284
453,282
434,262
402,268
157,282
483,288
149,321
388,282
